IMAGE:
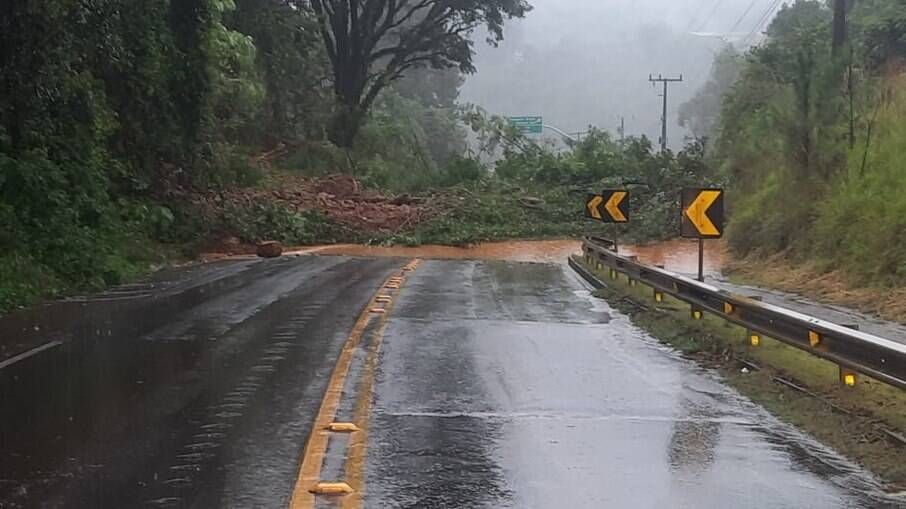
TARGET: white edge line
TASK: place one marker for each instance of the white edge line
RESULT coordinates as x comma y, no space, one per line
31,353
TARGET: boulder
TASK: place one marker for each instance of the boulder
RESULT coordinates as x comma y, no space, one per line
270,249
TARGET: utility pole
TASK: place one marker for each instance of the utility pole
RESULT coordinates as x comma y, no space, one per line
841,10
665,81
840,39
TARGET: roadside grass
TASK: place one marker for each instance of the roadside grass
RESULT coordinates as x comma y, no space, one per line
847,419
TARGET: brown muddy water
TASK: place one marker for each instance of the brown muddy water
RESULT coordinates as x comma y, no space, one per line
680,255
544,251
676,255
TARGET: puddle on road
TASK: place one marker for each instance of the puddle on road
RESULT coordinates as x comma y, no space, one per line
543,251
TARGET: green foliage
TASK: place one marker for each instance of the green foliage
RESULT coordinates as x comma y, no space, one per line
409,145
880,26
783,130
492,210
556,184
864,216
268,221
800,185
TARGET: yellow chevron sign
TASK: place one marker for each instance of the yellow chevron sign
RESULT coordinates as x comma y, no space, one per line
593,207
611,206
614,204
703,213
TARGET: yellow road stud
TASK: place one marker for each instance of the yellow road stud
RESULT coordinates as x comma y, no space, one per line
332,488
343,427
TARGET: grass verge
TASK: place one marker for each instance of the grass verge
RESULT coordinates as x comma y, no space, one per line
851,420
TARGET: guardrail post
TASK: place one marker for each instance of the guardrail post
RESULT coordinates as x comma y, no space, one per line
848,377
754,338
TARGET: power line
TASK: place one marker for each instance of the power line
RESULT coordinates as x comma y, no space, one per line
765,18
744,15
710,16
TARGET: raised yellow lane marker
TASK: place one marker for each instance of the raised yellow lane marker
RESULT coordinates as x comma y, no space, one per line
331,488
309,484
356,450
343,427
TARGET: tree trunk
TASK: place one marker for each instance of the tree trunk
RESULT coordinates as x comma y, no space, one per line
345,126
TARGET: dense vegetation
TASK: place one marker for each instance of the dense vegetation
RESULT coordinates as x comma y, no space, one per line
112,111
811,139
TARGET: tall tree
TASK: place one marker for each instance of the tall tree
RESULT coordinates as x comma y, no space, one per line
372,43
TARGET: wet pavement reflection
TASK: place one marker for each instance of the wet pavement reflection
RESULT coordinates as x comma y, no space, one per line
499,384
200,398
507,385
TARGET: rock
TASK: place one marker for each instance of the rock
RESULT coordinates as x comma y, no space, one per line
270,249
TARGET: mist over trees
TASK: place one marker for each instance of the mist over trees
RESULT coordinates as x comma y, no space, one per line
583,62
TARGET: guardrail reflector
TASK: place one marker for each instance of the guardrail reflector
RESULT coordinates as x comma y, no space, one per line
697,314
728,308
658,296
814,338
848,377
754,339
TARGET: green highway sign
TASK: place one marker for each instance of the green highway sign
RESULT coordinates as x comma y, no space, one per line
528,125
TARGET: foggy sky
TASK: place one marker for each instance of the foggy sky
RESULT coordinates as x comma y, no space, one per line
586,62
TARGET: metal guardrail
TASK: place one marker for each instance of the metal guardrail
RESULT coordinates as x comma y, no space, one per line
879,358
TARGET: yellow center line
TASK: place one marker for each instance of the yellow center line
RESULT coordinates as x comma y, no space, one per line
355,453
316,447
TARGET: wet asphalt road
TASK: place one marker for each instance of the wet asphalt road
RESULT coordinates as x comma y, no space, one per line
208,406
497,385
